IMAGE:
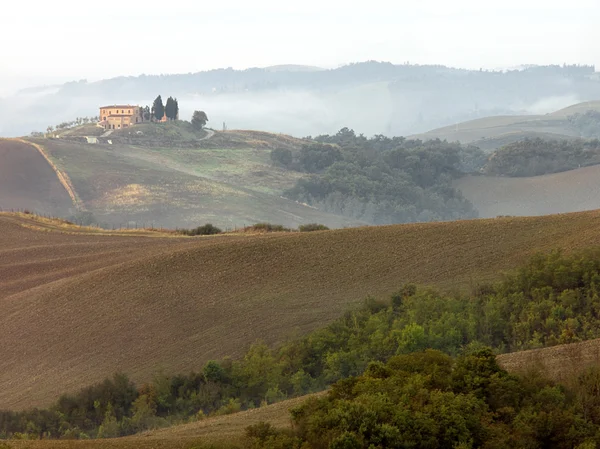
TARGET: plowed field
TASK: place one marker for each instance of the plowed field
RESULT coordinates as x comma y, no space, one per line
27,181
570,191
77,307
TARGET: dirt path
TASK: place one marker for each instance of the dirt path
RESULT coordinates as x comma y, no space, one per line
209,134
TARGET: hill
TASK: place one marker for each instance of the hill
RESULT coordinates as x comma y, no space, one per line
230,185
28,181
492,132
559,363
409,99
570,191
145,303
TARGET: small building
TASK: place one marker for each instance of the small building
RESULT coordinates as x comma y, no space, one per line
120,116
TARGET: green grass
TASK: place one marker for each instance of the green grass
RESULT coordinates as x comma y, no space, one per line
181,187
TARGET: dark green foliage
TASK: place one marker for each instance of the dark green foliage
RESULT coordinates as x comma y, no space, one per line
587,124
410,405
312,227
268,227
533,157
171,109
385,180
158,109
282,157
207,229
199,119
317,157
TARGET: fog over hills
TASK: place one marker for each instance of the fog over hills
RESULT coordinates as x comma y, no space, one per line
370,97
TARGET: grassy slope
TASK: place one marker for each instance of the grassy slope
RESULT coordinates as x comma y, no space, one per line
493,132
148,303
182,187
220,429
570,191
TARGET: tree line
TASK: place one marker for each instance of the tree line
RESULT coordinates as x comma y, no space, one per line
381,179
553,299
160,110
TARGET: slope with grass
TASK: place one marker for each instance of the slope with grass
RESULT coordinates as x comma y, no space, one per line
28,181
149,303
490,133
570,191
122,183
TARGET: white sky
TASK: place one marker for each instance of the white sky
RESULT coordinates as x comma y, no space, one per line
46,41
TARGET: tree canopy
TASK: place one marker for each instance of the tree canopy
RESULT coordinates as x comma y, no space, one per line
199,119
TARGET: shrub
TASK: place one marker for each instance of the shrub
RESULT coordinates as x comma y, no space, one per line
268,227
207,229
313,227
282,156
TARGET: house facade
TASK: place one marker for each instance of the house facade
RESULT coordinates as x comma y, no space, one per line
120,116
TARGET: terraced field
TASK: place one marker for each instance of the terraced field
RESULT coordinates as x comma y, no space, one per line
146,302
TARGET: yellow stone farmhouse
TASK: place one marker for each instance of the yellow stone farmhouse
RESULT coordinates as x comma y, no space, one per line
120,116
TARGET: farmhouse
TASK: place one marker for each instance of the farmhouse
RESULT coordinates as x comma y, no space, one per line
120,116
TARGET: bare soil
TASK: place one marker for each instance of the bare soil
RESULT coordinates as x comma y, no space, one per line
27,181
77,307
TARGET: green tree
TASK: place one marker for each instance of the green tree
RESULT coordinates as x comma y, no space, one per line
158,109
199,119
282,156
171,109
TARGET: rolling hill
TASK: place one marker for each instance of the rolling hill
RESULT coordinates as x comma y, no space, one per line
133,184
490,133
28,181
569,191
152,301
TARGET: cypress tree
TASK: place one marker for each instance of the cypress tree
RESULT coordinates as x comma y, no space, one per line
158,108
170,108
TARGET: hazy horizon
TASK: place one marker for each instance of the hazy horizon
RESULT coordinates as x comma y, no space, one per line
70,41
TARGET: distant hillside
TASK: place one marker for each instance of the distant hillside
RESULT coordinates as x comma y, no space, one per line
401,99
146,303
228,180
28,181
570,191
492,132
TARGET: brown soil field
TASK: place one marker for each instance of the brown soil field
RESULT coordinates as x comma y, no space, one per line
77,307
27,181
570,191
559,363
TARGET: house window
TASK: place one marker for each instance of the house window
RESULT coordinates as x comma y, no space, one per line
129,112
122,111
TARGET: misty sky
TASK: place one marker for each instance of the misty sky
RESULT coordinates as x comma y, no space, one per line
44,42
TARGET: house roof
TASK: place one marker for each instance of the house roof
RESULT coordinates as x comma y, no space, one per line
112,106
